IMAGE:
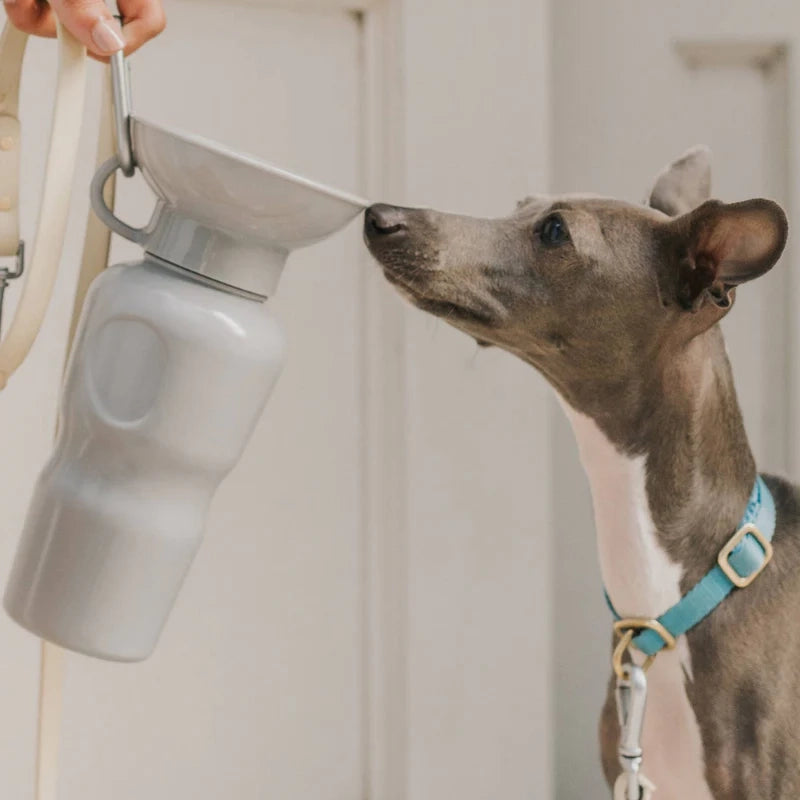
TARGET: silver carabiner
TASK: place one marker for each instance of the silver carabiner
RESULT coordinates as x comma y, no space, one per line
121,88
7,274
631,697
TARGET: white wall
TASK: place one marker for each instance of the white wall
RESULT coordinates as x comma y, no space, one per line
478,435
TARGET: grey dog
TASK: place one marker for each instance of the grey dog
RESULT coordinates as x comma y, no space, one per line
618,306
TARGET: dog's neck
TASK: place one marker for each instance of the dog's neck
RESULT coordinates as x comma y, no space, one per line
670,472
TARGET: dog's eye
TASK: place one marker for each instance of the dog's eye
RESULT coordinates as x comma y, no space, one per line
553,230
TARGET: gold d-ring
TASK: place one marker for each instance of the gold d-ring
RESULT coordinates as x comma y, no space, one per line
627,629
616,660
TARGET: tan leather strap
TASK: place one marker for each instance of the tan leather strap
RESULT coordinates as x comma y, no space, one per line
97,239
12,49
59,173
48,728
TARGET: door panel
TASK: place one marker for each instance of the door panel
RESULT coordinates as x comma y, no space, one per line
478,475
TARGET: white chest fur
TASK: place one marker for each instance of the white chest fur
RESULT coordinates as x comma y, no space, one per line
642,581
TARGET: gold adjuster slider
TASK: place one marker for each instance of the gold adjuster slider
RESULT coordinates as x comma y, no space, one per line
626,629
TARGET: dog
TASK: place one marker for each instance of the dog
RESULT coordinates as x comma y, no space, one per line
618,306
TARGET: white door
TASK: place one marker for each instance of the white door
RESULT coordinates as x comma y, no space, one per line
369,614
634,86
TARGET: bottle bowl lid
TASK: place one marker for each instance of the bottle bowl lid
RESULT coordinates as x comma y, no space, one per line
239,194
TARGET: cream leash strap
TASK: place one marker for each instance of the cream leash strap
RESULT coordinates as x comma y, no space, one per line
12,49
62,156
59,173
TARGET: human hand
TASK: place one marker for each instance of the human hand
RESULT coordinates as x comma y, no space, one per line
91,22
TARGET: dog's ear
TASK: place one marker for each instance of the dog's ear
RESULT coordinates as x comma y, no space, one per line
684,184
723,245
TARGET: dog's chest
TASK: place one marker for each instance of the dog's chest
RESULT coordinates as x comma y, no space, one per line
643,581
673,749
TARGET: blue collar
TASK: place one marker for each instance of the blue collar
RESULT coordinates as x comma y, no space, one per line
739,562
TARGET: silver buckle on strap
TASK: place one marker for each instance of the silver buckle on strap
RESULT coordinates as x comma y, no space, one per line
8,274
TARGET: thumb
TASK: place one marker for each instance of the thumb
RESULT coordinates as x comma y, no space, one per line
91,22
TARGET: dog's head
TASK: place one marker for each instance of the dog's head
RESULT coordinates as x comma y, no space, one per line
590,290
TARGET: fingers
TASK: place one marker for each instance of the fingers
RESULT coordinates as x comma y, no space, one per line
31,16
91,23
143,19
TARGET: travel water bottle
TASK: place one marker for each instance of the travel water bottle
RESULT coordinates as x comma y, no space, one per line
174,359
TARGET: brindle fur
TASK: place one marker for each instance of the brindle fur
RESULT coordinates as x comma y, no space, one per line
623,321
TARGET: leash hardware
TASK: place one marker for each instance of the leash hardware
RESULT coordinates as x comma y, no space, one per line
626,629
7,274
631,697
723,559
121,88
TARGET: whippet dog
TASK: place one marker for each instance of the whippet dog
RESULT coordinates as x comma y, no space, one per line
618,306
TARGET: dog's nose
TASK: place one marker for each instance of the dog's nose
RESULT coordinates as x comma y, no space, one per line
384,220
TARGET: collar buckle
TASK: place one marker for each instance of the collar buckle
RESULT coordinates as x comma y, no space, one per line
724,557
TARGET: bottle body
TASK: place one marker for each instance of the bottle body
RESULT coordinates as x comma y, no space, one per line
165,384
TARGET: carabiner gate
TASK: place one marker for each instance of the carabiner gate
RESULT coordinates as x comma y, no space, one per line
631,697
121,87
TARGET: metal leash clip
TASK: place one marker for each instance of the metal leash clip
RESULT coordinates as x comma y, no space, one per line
121,87
8,274
631,697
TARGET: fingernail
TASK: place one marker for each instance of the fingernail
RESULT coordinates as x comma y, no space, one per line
107,36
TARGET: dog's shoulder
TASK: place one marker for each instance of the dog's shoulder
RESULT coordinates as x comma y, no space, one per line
787,504
787,528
